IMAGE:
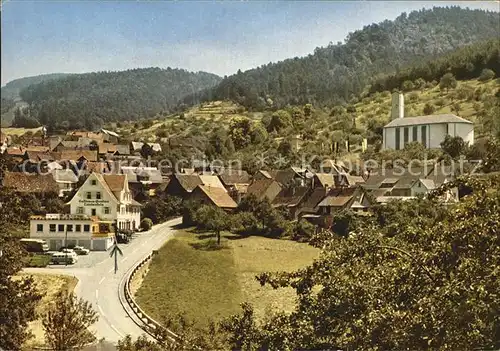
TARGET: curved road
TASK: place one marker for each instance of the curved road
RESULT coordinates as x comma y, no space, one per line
99,285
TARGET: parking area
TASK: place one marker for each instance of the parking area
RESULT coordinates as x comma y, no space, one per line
91,260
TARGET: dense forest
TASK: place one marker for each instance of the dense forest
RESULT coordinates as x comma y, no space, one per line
465,63
11,90
334,73
87,100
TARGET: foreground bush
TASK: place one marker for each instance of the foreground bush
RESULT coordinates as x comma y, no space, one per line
146,224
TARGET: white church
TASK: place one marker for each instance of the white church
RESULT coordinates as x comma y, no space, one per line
429,130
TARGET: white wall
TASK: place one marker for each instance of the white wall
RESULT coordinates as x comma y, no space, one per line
465,131
436,133
80,200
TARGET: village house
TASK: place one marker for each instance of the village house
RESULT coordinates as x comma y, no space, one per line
39,185
264,188
262,174
62,230
309,208
429,130
182,184
66,179
109,136
214,196
108,197
236,183
291,199
337,200
142,179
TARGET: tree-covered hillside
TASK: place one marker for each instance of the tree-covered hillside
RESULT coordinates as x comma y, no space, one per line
11,89
336,72
87,100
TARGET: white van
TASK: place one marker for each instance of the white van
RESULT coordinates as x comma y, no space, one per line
63,258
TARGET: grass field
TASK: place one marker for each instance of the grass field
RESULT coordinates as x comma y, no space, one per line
20,131
188,277
48,285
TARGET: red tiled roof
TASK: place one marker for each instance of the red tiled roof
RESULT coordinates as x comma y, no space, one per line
218,196
188,181
116,182
30,183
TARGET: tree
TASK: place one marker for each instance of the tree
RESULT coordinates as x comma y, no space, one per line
259,134
447,82
407,85
343,223
19,296
244,222
147,151
240,132
214,219
486,74
279,120
422,287
67,321
429,109
146,224
453,146
456,107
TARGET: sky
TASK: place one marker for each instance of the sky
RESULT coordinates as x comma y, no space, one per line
39,37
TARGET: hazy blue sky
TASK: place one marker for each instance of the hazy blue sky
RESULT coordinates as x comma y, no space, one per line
220,37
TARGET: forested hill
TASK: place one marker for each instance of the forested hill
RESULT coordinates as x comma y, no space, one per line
11,90
87,100
336,72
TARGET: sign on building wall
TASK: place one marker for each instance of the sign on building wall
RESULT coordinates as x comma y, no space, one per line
93,202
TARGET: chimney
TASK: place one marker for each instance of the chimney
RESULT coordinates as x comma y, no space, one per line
398,106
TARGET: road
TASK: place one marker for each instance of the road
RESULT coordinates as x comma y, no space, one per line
99,284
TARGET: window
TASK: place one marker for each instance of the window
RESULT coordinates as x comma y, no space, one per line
93,212
415,132
98,195
79,210
397,138
89,195
69,227
93,182
424,136
39,228
106,210
405,135
60,228
86,228
78,228
52,227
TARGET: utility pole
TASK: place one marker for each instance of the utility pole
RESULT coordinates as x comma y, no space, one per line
115,250
66,244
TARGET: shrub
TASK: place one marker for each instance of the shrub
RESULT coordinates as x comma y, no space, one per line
244,223
146,224
303,231
38,261
413,97
147,124
486,75
441,102
429,109
407,85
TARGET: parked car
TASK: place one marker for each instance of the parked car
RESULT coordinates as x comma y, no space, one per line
69,252
80,250
122,238
63,258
